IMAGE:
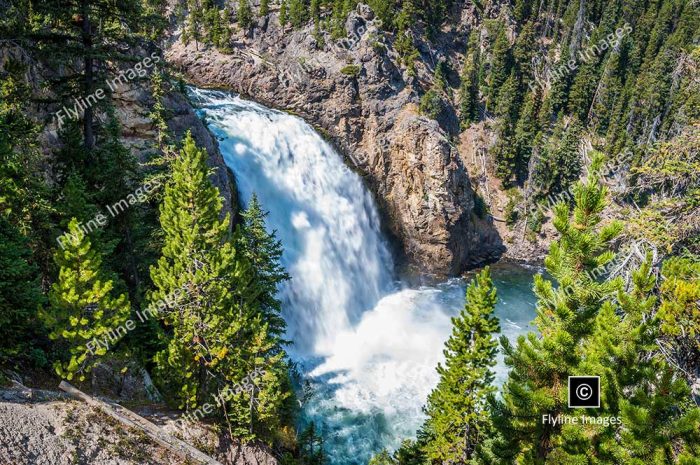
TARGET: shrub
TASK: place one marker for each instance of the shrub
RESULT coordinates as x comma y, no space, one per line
351,70
431,104
511,211
481,210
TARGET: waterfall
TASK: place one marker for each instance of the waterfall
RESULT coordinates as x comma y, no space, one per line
333,248
366,345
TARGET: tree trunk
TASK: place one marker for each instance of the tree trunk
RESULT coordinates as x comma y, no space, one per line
88,137
467,445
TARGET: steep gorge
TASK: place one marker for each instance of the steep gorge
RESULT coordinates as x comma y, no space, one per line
357,94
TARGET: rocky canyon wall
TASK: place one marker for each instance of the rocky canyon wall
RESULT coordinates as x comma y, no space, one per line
356,94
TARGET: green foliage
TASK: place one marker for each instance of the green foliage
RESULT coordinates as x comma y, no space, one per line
404,39
218,333
264,252
526,133
283,13
456,408
524,50
511,212
195,20
351,70
558,163
431,104
481,209
244,14
535,220
195,256
501,62
20,294
83,305
24,193
505,150
440,76
564,319
384,10
315,13
469,85
588,326
298,13
264,8
311,446
158,114
410,453
382,458
65,31
678,314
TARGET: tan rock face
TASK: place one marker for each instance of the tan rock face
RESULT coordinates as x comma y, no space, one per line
358,96
133,103
422,187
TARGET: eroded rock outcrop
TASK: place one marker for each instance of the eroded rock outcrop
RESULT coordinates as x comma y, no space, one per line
358,95
42,427
133,102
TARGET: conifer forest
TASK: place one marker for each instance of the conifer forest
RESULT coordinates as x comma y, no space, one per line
342,232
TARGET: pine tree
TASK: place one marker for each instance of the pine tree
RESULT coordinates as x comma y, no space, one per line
456,409
678,312
86,30
410,452
118,176
581,93
565,314
195,20
385,11
505,150
218,335
526,131
524,50
297,13
469,86
196,257
283,13
315,13
83,306
212,18
500,67
20,295
311,446
264,252
24,193
382,458
440,82
658,416
245,15
224,44
508,102
264,8
606,95
434,13
559,163
560,83
404,37
158,114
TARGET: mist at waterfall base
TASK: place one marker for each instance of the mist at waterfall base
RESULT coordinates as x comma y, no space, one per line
366,344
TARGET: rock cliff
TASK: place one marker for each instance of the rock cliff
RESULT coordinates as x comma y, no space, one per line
132,101
355,93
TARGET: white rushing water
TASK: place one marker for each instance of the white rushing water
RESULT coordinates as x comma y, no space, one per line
366,345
